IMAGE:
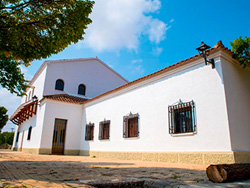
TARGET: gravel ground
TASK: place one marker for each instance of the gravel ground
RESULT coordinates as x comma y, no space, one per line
19,169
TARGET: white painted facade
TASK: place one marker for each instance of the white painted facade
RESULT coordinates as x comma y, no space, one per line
93,73
221,97
151,100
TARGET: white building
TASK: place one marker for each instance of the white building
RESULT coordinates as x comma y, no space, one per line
184,113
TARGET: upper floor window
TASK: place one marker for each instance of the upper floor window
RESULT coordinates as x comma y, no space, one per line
81,89
29,133
104,130
130,126
182,118
89,134
59,85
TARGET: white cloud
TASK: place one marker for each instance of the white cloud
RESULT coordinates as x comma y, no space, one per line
171,21
136,68
119,24
27,75
157,51
157,31
137,61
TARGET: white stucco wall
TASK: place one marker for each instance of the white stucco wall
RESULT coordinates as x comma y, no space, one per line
237,88
72,113
38,85
200,83
96,77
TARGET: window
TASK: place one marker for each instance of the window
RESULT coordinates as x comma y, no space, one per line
29,133
130,126
104,130
89,134
59,85
17,136
182,118
81,89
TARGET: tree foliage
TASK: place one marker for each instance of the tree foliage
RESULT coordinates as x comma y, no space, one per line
3,117
6,137
241,48
35,29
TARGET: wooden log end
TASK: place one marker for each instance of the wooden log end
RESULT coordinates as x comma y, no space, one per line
216,173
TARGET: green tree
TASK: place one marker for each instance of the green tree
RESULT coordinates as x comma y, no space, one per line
6,137
3,117
36,29
241,48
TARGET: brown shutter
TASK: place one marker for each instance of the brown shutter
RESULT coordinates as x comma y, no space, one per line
92,132
136,127
86,133
108,129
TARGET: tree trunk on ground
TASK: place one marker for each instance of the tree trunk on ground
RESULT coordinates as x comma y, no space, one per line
228,172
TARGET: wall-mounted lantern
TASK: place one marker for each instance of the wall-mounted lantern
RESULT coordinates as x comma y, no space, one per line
34,98
203,49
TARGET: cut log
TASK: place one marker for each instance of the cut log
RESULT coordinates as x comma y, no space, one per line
228,172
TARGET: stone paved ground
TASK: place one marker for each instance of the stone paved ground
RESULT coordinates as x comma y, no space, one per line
19,169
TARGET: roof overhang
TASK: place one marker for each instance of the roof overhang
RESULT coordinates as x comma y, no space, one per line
24,112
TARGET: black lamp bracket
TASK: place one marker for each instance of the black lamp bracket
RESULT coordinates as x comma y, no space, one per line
211,61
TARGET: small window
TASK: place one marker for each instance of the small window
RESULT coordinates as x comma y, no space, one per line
29,133
17,136
104,130
81,89
89,134
182,118
130,126
59,85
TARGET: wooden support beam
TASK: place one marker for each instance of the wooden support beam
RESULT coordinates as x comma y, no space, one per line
25,113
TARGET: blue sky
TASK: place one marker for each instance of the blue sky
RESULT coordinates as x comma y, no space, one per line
139,37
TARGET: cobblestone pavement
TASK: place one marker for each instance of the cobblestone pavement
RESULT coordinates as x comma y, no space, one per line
19,169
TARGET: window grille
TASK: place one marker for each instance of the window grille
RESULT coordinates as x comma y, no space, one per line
29,133
182,118
89,134
59,85
130,125
104,128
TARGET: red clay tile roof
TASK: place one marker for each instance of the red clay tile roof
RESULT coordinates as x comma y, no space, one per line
65,98
78,100
216,48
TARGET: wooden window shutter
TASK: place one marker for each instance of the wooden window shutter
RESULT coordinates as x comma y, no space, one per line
86,133
108,130
136,132
92,132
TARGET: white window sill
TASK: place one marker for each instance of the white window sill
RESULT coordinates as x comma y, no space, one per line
183,134
132,138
